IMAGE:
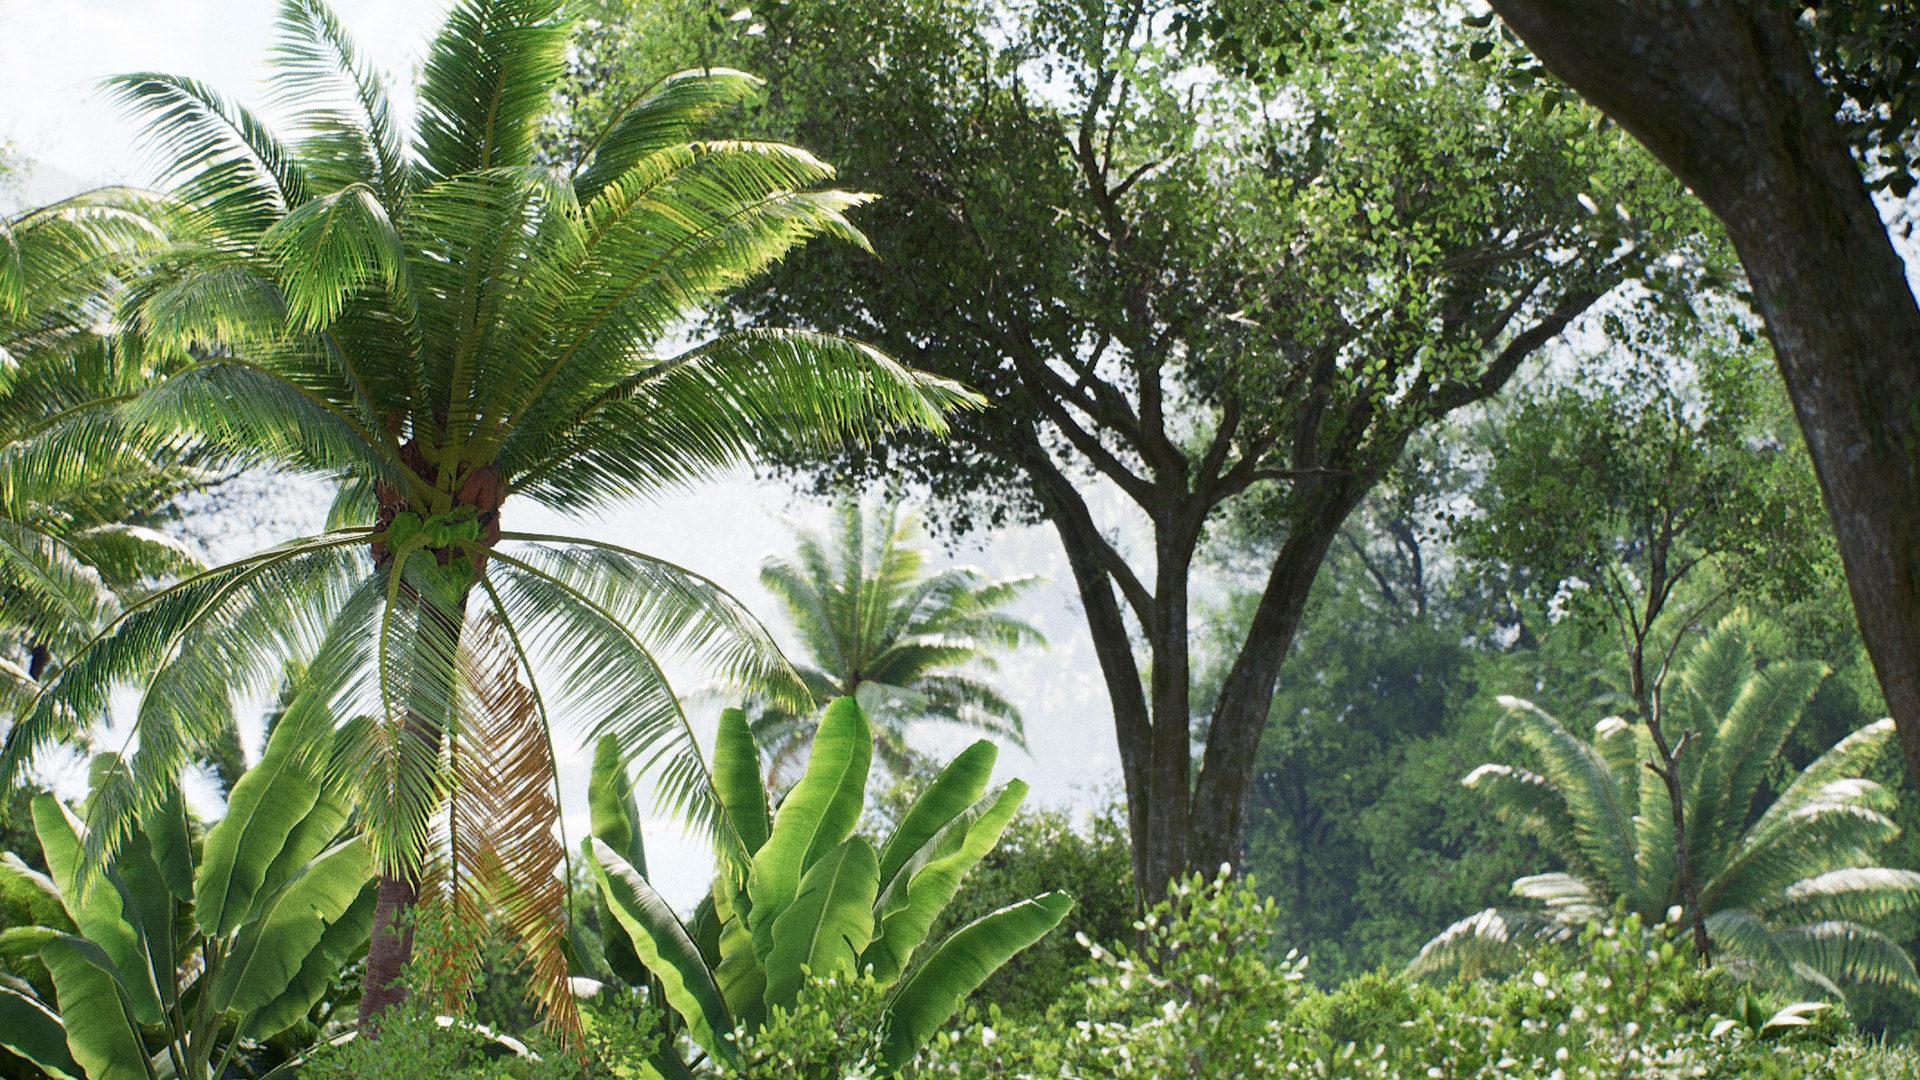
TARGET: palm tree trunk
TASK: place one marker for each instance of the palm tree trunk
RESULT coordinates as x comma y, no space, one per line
391,948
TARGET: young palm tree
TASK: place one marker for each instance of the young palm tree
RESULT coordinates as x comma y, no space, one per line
1790,889
880,629
442,324
78,487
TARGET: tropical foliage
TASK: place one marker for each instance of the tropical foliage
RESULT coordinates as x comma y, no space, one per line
80,489
879,628
818,902
440,323
192,951
1790,886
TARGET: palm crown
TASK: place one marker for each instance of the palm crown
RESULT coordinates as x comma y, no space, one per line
879,628
1790,888
441,324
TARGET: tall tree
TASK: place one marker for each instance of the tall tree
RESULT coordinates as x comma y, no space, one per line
1782,117
1182,287
878,628
1657,489
442,324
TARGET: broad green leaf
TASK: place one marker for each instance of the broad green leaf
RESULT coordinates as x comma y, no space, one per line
615,817
929,880
314,834
263,812
736,776
170,842
958,787
743,982
20,955
153,900
815,817
345,938
104,914
30,896
615,811
275,942
102,1034
828,925
962,963
666,949
33,1031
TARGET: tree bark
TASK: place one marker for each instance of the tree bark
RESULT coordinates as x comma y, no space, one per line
1723,93
1219,828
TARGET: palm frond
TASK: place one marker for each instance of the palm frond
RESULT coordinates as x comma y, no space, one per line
232,168
669,116
1603,820
1490,942
506,814
316,65
487,83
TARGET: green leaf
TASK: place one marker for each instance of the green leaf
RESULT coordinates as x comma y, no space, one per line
104,914
927,883
274,944
958,787
32,1031
815,817
263,812
170,843
20,955
828,925
736,776
345,938
666,948
102,1033
616,822
31,897
615,811
958,968
146,889
743,982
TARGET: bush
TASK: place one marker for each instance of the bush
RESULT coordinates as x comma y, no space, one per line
1630,1003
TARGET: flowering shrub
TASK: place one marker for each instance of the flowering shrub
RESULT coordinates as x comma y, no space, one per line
1628,1004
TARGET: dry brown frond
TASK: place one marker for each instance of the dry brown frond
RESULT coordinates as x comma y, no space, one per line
504,818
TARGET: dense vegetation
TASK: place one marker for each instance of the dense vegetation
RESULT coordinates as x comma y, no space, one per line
1499,655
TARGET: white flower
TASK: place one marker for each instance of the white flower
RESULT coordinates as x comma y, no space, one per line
1540,978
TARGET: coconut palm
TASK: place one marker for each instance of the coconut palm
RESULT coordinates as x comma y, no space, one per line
1790,888
79,489
879,628
442,323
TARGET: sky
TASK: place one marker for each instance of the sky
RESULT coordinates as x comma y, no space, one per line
52,54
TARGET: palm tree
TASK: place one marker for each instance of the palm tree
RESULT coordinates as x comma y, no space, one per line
880,629
79,489
1790,889
444,323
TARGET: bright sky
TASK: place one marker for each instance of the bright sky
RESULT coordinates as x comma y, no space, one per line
52,54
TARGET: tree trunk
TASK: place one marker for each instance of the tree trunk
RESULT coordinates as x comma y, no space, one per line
1723,92
391,947
1240,715
388,951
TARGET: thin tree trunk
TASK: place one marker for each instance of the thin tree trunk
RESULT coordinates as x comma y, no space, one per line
1113,646
1723,92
